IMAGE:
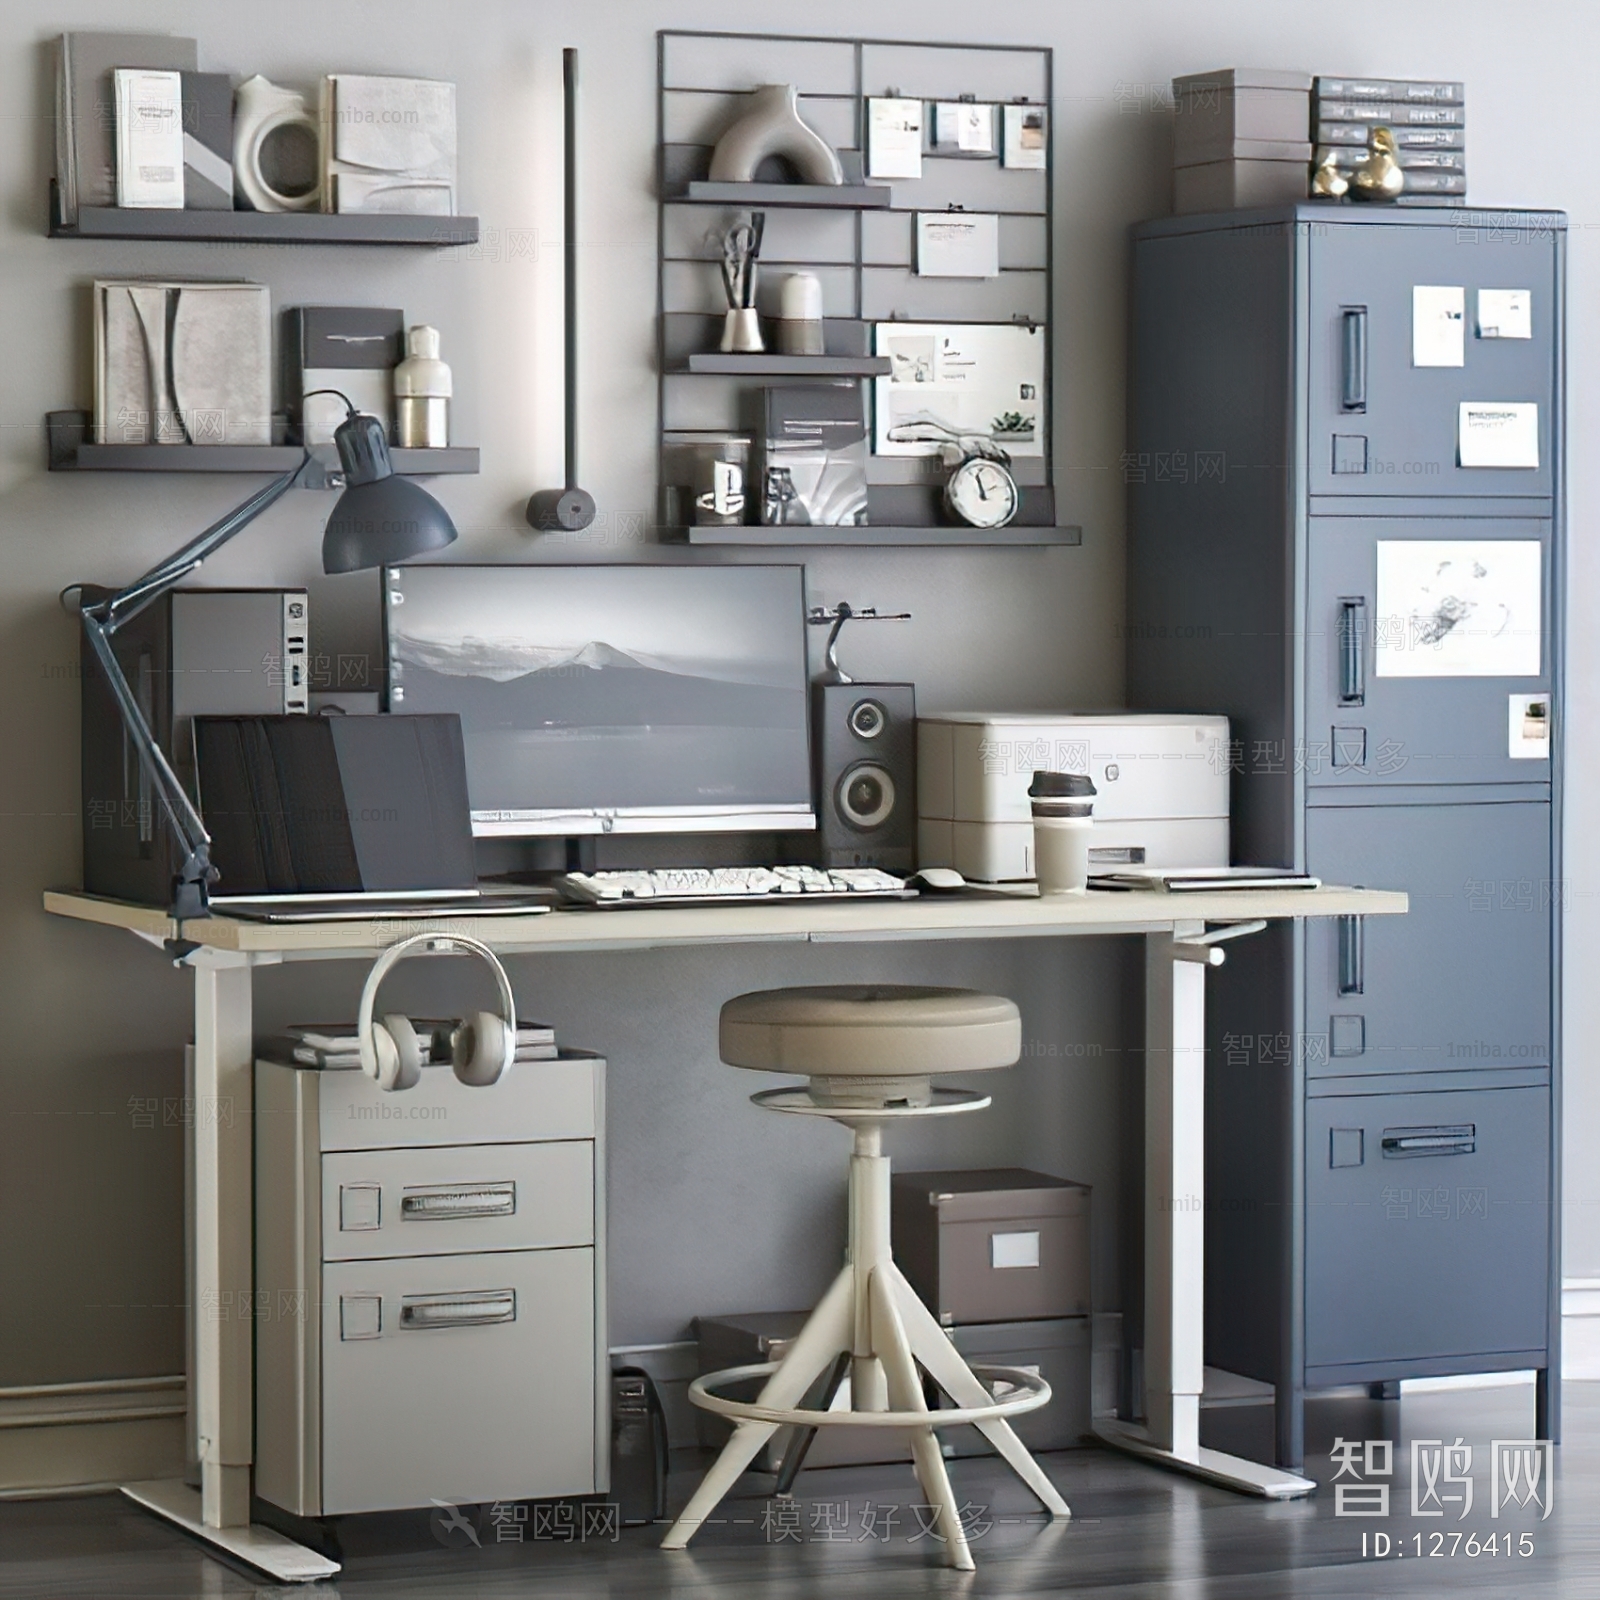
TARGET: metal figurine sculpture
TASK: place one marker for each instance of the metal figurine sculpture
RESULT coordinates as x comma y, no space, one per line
1379,177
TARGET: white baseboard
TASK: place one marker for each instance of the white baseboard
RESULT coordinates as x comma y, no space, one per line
61,1437
1580,1329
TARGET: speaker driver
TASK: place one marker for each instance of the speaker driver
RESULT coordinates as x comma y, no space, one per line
865,796
867,719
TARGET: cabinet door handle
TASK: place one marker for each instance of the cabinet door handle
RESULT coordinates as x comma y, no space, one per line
1352,955
470,1309
451,1202
1353,650
1353,358
1460,1139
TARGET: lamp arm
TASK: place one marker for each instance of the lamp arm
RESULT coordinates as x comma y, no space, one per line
101,617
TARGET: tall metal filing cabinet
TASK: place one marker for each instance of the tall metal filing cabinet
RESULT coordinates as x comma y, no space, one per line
1382,624
430,1288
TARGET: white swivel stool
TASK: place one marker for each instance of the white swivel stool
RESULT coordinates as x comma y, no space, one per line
869,1054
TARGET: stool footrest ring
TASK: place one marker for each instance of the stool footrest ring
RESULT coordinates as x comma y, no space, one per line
1034,1392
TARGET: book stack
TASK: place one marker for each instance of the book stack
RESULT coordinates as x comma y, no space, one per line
1428,119
336,1046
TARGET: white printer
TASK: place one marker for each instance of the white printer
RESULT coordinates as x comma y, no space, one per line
1161,782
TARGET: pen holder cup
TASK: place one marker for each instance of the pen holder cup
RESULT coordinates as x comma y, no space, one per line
741,332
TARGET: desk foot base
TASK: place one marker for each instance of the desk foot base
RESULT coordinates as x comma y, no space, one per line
256,1546
1231,1472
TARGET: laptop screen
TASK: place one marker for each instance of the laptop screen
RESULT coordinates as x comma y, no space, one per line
335,805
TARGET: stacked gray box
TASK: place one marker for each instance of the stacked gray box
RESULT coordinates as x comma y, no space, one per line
1241,137
1428,118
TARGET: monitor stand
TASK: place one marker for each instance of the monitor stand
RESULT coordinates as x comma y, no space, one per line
582,852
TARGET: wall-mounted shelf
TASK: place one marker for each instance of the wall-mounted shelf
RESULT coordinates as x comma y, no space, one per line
70,450
859,240
832,196
777,365
262,227
1013,537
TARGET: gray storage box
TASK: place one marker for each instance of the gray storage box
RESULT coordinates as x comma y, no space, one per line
994,1245
1214,110
1239,185
1059,1351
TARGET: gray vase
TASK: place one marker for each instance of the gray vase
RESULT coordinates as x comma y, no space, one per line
772,126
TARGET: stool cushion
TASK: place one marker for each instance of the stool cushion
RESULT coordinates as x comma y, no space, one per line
876,1031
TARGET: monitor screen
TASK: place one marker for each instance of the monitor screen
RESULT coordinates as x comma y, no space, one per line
612,698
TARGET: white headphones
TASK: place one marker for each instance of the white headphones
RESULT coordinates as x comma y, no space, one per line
481,1048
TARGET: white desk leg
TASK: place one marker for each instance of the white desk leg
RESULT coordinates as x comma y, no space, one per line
222,1312
1174,1226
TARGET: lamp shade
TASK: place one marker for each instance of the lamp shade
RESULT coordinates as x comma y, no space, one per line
380,518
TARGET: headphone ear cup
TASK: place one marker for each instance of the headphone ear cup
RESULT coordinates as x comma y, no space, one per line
399,1053
482,1048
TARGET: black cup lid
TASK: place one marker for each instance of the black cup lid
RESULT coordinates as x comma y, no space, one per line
1060,786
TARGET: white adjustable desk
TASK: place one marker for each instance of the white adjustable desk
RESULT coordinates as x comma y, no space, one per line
1178,948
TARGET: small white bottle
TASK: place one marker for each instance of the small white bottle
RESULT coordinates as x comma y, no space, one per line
422,393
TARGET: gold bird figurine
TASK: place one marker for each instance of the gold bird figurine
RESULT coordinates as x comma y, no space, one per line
1328,182
1379,177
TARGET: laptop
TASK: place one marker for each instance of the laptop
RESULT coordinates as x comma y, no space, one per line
315,819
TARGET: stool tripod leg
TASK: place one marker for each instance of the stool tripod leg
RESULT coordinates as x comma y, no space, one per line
932,1347
794,1458
905,1394
826,1333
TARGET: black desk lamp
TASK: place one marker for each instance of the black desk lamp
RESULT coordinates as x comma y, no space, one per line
379,519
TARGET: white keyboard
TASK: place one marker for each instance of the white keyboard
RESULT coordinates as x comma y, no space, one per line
682,886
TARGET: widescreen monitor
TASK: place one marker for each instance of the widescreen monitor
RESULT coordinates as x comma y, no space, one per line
600,699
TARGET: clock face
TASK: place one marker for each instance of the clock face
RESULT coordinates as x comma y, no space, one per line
982,493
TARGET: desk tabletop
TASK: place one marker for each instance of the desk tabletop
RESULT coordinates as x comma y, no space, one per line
965,916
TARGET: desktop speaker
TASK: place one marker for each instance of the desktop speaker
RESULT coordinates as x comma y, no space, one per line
865,738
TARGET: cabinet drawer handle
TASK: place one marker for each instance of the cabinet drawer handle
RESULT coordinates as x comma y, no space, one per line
1458,1140
450,1202
1353,651
1352,955
1353,358
469,1310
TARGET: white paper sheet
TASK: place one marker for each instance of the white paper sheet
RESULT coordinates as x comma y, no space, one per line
1438,325
958,244
894,138
983,379
1505,313
1529,730
1458,608
1027,136
1495,433
964,125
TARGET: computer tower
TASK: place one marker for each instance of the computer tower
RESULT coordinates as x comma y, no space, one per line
1346,534
194,651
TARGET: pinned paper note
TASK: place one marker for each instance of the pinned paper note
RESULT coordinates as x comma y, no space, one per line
894,138
1498,434
1529,731
1458,608
1026,137
1438,325
958,244
1505,313
964,125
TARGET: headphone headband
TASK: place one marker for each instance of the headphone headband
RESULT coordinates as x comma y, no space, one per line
437,943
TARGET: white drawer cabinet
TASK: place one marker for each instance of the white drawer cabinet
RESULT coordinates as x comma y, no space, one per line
430,1303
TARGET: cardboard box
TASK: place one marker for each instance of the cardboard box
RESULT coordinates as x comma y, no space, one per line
993,1245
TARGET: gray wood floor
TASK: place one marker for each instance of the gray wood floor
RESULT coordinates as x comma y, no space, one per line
1135,1533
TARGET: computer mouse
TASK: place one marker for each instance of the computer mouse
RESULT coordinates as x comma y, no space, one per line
939,878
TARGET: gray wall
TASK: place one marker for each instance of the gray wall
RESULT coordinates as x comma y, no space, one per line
714,1207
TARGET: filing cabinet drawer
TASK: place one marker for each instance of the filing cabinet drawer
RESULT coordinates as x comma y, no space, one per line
457,1378
1461,981
1427,1225
534,1100
452,1199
